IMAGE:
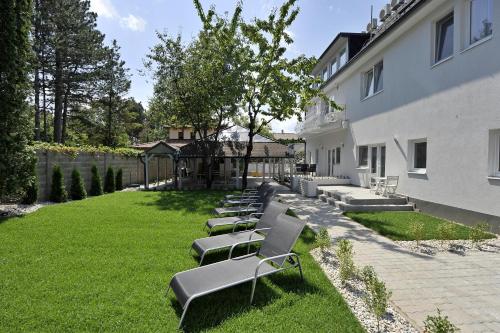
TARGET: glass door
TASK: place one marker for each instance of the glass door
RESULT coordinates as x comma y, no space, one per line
382,161
377,157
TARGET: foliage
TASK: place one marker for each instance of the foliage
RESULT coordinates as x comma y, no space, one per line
344,252
16,157
439,324
109,181
323,240
417,231
73,151
396,225
31,195
96,183
119,180
58,188
377,296
130,244
446,231
477,233
77,190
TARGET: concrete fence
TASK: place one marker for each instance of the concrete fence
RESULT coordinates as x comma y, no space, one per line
133,169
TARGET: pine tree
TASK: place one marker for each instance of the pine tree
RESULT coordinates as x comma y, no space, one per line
96,183
58,189
77,187
109,181
119,180
16,158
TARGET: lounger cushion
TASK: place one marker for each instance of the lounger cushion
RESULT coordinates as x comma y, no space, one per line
217,222
234,210
224,241
218,276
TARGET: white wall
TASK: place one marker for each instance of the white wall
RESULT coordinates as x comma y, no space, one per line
454,105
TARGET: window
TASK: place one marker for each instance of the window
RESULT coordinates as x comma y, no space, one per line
363,156
495,153
329,162
374,160
316,157
444,38
373,80
342,58
418,155
333,67
180,135
325,74
481,25
337,158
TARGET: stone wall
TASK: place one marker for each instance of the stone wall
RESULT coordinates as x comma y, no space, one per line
133,169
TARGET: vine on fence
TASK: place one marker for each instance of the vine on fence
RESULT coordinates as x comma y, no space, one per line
73,151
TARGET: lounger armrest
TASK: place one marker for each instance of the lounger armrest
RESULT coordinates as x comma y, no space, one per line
254,231
241,243
291,254
245,222
255,215
255,204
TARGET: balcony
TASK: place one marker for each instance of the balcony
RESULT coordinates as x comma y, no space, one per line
321,122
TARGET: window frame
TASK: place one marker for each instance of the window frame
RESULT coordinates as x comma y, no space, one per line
366,165
324,74
468,19
494,154
438,36
412,154
342,52
365,92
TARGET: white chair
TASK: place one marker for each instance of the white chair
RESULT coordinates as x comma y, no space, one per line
390,186
373,185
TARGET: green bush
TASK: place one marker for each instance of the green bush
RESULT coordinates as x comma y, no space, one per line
119,180
323,239
58,190
77,187
344,252
31,191
417,231
439,324
446,231
96,183
109,181
377,296
478,233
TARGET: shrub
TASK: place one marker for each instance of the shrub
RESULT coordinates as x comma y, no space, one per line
96,184
416,231
345,253
323,239
446,231
377,296
77,187
58,190
31,195
478,232
119,180
439,324
109,181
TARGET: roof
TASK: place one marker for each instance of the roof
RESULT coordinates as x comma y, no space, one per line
286,136
408,9
171,142
342,35
239,133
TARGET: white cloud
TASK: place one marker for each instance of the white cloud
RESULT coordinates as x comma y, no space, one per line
103,8
288,126
132,22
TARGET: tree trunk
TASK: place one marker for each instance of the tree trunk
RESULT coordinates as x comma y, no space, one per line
37,104
246,159
44,103
65,115
58,98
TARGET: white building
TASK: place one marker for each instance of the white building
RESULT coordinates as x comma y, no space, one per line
421,97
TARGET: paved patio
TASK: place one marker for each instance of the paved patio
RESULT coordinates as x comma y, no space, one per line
466,288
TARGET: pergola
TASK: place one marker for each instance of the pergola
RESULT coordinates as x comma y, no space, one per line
184,159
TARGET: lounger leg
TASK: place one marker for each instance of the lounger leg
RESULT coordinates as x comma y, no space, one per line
202,257
300,269
184,313
254,283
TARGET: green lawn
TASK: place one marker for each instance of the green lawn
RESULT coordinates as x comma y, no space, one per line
103,264
396,225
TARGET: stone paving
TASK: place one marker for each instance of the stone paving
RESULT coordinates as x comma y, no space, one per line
466,288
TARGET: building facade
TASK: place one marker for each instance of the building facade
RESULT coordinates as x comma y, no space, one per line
421,100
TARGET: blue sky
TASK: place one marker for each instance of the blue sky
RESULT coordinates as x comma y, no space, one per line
133,24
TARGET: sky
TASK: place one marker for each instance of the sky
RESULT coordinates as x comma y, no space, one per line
134,23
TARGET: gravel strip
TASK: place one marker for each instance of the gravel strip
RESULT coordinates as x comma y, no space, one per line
19,210
353,293
460,247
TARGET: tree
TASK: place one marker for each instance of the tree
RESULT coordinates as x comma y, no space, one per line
77,187
95,183
16,158
114,84
119,180
109,181
58,189
276,88
200,84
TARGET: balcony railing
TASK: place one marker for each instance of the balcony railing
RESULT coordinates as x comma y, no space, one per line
321,122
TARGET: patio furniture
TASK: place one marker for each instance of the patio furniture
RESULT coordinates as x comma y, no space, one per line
376,183
245,208
204,245
273,256
247,197
389,186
